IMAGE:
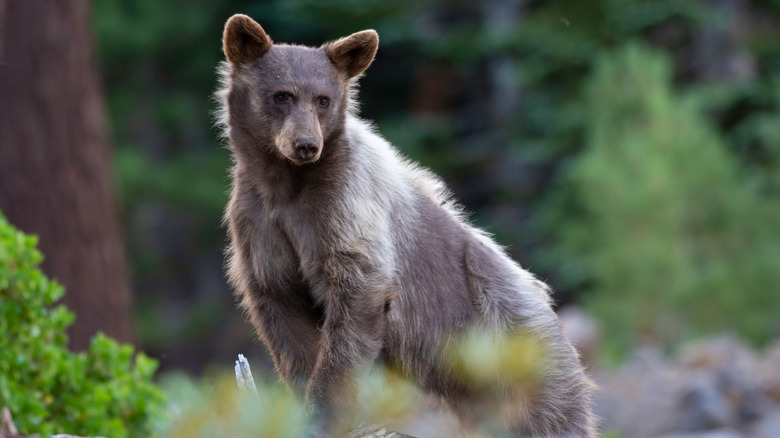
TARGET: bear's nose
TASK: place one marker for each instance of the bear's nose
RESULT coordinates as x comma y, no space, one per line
306,148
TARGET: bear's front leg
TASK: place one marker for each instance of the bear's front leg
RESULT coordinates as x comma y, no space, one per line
352,336
288,328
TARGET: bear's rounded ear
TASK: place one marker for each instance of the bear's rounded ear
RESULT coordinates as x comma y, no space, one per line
244,40
353,54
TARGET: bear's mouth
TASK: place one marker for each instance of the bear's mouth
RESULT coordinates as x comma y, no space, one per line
302,161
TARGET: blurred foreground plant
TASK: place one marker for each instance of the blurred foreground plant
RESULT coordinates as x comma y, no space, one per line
48,388
493,364
216,407
489,360
484,362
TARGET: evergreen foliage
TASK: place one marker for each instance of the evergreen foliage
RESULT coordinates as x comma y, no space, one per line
662,226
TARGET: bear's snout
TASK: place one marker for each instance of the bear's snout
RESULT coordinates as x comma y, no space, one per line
306,148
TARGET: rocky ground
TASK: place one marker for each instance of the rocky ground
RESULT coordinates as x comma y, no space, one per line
717,388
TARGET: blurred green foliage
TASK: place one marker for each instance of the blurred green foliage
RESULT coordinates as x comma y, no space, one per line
627,151
49,389
669,237
216,407
487,361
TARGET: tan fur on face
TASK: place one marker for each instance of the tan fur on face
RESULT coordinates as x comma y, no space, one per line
285,138
290,131
244,40
353,54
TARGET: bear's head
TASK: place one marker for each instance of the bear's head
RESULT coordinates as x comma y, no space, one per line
290,100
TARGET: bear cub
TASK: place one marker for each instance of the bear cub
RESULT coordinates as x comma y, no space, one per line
341,250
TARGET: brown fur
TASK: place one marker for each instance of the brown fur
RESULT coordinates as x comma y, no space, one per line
353,54
356,252
244,40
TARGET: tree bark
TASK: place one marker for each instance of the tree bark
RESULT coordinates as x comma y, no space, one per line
55,173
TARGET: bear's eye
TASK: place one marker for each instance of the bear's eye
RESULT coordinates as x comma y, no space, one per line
281,97
324,101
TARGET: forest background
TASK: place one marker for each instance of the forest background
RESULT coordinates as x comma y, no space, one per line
626,151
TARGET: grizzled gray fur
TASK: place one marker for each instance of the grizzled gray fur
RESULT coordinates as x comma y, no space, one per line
341,250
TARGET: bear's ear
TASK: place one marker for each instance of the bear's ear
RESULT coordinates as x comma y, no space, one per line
353,54
244,40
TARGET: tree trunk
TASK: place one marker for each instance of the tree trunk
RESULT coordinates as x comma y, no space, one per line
55,172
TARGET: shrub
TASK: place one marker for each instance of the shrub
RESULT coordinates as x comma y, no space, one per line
48,388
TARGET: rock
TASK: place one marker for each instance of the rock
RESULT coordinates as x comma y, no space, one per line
434,421
735,362
583,332
768,426
375,431
769,372
720,433
639,400
716,386
752,406
703,406
733,369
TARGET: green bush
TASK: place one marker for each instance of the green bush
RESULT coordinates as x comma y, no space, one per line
659,222
48,388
